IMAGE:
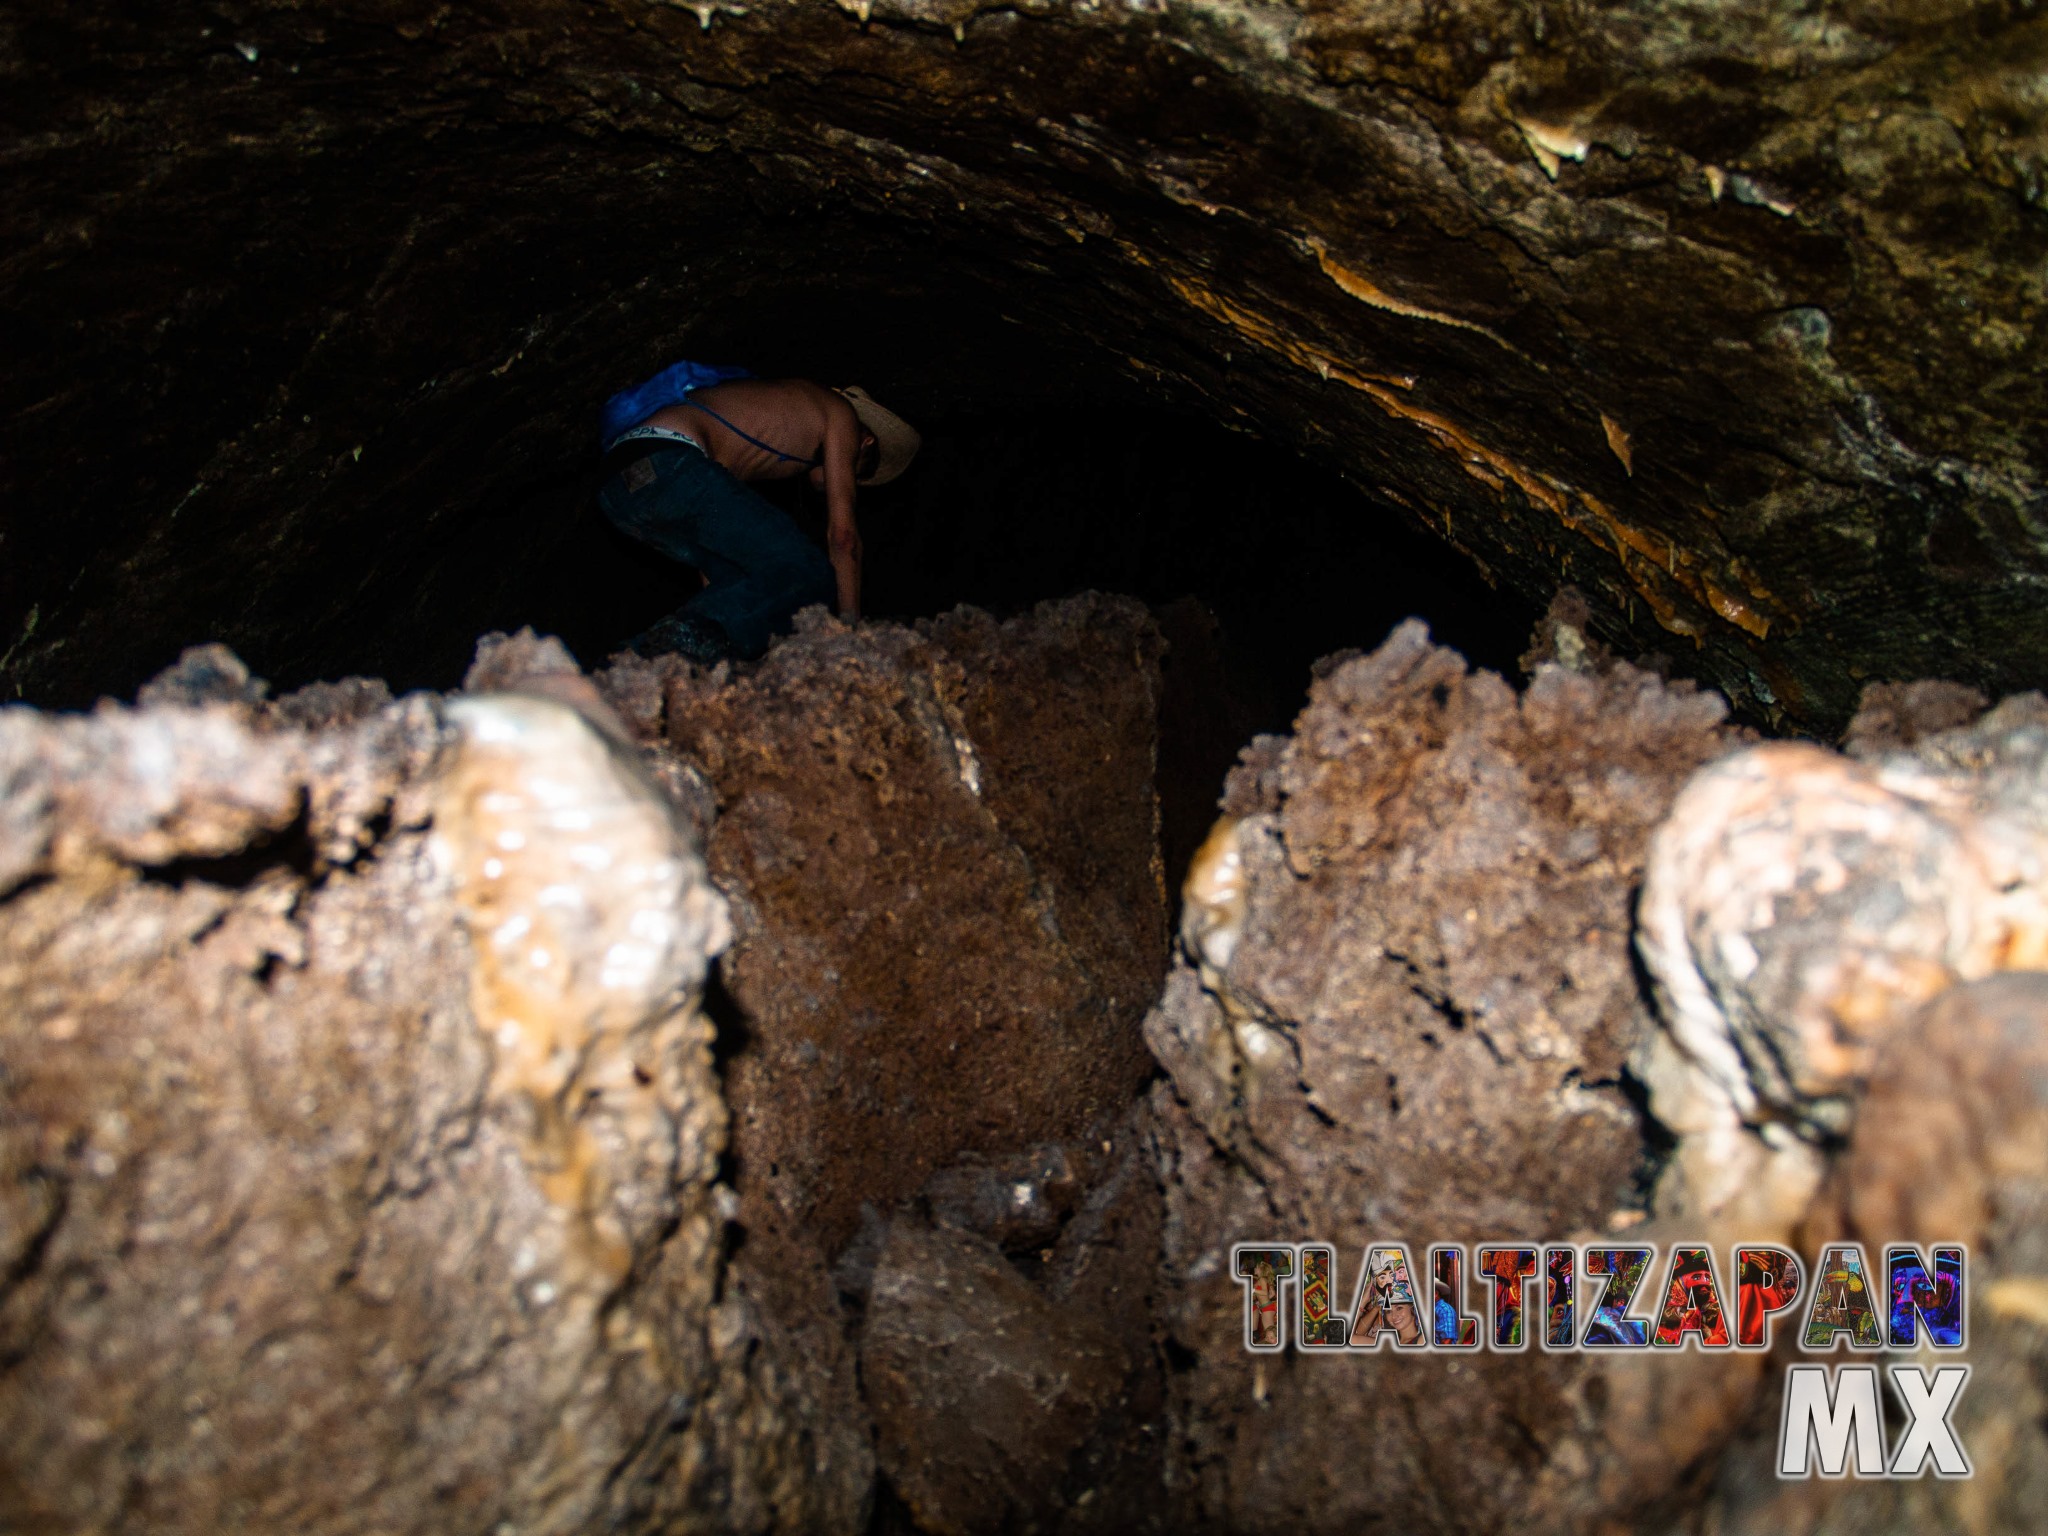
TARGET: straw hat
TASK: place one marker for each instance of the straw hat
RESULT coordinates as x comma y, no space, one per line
896,440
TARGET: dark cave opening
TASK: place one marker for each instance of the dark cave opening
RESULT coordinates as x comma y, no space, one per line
1047,470
309,313
1006,511
357,405
1042,476
1294,563
1257,564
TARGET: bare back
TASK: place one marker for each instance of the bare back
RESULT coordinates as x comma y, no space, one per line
788,420
772,429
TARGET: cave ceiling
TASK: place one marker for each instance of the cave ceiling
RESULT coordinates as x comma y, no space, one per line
1727,313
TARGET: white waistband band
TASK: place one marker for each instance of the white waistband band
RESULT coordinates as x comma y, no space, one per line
667,434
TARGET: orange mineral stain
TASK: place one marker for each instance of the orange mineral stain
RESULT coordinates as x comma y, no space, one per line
1656,566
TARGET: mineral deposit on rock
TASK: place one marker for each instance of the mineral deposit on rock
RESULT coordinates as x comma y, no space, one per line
358,1131
364,1164
1407,994
1799,904
1729,315
941,851
1951,1145
1406,1013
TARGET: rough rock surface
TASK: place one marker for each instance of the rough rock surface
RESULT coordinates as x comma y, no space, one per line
1967,1081
1801,904
1729,313
1408,1004
1010,1345
941,851
360,1143
1799,910
1893,716
1356,1054
358,1131
981,1386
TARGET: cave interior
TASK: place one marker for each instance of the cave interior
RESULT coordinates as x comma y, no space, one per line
1290,322
309,313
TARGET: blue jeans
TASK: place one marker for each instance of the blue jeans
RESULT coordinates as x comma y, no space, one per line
758,567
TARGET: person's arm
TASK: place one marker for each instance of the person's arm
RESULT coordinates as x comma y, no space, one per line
842,538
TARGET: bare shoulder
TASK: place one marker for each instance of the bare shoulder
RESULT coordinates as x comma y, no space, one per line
786,398
830,401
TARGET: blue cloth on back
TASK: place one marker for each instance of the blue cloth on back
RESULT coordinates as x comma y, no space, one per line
629,407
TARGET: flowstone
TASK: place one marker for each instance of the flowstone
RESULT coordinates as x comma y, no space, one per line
1407,1012
364,1165
358,1129
1849,959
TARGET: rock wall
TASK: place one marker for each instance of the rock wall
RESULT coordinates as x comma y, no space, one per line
1727,315
1408,1011
1404,1015
941,850
1966,1076
1894,1013
359,1131
365,1162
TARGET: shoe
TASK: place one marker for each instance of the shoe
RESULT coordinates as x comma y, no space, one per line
699,639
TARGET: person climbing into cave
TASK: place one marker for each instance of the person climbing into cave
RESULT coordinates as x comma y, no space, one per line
679,453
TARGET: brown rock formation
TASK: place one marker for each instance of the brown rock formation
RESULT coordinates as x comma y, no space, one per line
1358,1055
1730,317
1799,910
1405,1018
1800,905
981,1386
358,1131
1951,1146
360,1141
1010,1345
941,849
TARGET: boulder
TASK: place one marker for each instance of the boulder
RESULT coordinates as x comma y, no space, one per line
940,847
1405,1013
359,1134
